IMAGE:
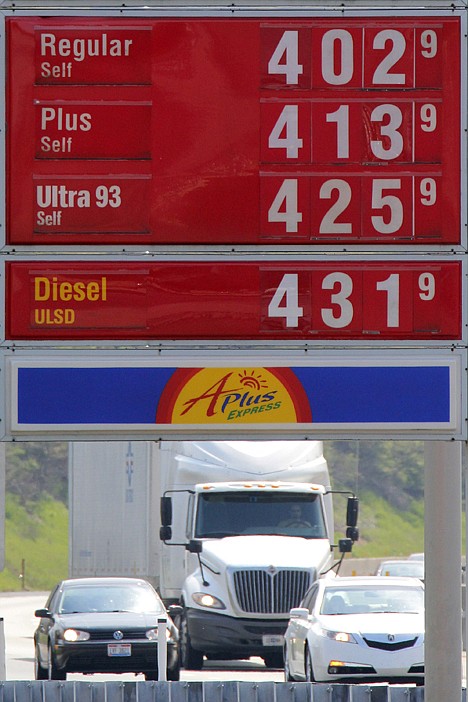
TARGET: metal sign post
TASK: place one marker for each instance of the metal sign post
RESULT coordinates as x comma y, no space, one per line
442,547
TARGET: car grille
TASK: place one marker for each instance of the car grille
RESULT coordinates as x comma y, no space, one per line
265,593
108,634
390,645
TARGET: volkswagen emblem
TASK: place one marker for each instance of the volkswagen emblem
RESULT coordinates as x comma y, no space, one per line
391,637
118,636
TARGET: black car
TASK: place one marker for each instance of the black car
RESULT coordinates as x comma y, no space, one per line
103,625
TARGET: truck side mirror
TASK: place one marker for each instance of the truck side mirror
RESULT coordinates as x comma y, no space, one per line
194,546
166,511
165,533
352,533
345,545
352,511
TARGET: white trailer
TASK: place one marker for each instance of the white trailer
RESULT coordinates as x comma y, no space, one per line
232,553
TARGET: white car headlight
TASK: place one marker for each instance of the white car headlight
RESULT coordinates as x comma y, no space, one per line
71,635
206,600
340,636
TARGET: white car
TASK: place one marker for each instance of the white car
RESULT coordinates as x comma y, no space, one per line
358,629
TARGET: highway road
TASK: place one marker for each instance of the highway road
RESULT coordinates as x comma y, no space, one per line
17,610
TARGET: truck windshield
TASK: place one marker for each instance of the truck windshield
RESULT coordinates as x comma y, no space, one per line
230,514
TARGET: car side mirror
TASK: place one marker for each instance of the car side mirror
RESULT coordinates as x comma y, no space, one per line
43,614
175,610
299,613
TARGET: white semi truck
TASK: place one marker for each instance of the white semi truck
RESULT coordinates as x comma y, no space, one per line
246,528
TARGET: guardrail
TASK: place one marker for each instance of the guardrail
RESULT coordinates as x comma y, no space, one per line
55,691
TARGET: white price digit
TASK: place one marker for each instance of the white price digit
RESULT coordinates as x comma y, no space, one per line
398,45
428,118
284,206
392,287
285,133
428,190
337,319
329,225
337,57
285,301
391,114
429,43
426,282
108,196
394,204
285,58
341,117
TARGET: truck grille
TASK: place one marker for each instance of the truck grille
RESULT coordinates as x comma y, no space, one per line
265,593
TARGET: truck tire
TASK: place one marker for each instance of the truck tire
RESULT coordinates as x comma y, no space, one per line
274,660
190,659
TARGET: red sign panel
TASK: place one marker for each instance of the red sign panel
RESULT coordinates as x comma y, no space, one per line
305,300
234,131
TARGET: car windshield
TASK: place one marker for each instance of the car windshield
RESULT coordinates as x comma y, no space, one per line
359,600
229,514
413,569
93,598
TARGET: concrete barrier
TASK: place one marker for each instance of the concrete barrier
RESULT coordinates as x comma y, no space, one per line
54,691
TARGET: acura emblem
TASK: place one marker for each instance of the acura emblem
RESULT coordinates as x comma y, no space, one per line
118,635
391,637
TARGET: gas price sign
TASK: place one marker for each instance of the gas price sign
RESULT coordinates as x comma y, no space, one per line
215,131
305,300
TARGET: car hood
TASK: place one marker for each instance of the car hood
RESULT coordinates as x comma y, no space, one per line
375,624
107,620
264,551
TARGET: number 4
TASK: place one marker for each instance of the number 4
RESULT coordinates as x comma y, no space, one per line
285,301
289,66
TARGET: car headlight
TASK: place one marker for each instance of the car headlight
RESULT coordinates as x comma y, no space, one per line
75,635
206,600
340,636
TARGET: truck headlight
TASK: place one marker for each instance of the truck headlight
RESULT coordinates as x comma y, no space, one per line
206,600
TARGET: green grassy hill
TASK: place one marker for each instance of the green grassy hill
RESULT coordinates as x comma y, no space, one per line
36,545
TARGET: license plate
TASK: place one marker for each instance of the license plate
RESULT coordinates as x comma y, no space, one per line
119,649
272,640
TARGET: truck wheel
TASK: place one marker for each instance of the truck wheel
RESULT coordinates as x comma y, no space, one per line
190,659
274,660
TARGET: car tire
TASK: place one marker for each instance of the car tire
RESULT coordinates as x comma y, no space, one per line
309,670
274,660
287,672
173,674
55,673
190,658
40,673
152,675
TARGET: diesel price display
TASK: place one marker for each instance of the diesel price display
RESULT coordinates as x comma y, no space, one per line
233,131
305,300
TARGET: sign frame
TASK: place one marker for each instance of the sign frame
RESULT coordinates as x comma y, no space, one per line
452,393
266,265
218,12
